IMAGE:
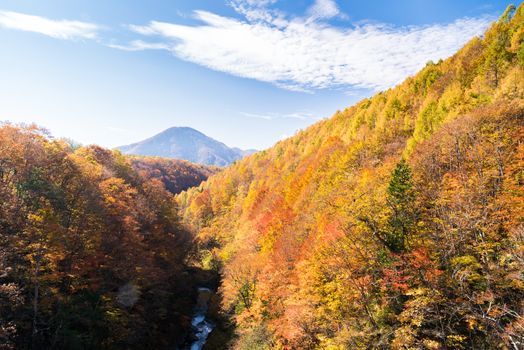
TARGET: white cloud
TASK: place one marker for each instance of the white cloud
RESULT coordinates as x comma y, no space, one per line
258,11
304,54
58,29
323,9
274,116
139,45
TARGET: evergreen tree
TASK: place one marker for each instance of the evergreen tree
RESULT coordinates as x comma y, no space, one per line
400,198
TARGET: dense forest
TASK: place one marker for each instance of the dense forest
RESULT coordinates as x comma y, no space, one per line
92,255
396,224
176,175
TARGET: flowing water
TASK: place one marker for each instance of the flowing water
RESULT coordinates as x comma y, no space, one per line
200,324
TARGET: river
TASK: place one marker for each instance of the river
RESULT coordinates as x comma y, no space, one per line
201,326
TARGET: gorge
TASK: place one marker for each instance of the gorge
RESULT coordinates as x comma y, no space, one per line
398,223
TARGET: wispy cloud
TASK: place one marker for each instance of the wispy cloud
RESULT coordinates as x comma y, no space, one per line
58,29
307,53
139,45
323,9
275,116
258,11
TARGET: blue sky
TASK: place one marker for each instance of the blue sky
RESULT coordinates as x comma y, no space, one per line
246,72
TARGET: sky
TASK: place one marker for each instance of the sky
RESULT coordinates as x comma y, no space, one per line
245,72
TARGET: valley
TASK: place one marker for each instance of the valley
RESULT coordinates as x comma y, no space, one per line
398,223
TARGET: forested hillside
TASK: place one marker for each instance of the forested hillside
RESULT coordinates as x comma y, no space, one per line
176,175
91,252
395,224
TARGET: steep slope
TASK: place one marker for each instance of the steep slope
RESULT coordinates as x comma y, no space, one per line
331,240
187,144
176,175
91,252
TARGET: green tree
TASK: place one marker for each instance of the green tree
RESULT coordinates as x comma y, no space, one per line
400,199
497,54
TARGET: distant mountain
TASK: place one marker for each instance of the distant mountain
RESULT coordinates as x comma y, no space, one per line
187,144
245,152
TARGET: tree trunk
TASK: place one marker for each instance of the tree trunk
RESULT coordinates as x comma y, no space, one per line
35,302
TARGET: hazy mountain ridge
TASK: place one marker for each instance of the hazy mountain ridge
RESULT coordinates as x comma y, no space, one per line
187,144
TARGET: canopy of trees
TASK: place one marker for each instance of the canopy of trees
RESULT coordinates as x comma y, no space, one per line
91,252
396,224
176,175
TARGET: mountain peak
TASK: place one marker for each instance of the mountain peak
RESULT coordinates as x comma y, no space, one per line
182,129
182,142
